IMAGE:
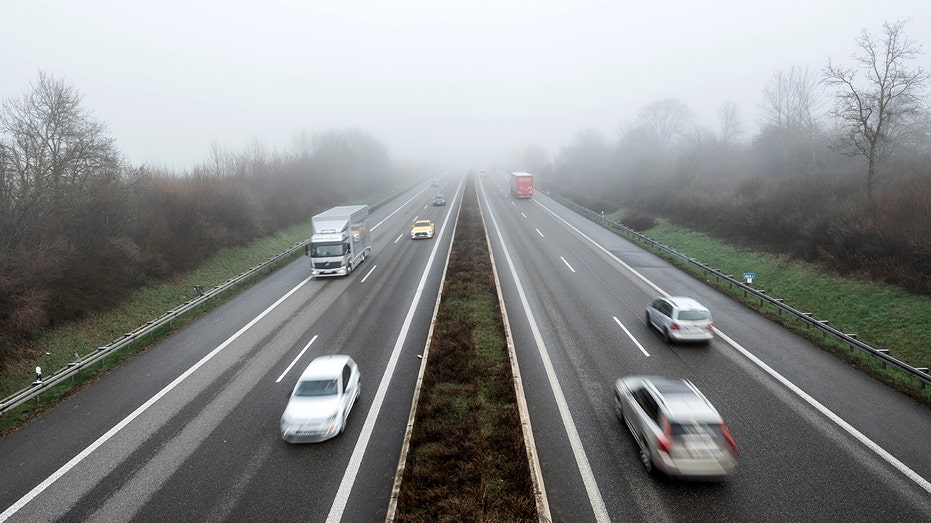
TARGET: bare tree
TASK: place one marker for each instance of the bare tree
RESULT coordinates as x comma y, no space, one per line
883,110
730,122
790,102
54,151
59,178
662,122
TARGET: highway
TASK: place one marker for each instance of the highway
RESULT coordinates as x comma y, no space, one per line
188,430
818,440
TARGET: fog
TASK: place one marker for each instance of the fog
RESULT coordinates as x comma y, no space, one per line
456,82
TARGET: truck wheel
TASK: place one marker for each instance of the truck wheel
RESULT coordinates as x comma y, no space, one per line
348,269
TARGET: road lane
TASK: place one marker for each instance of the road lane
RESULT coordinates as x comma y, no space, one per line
795,462
208,446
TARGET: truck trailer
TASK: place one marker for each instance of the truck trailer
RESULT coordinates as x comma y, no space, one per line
522,185
340,240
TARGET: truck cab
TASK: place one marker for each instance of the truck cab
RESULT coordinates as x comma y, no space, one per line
340,242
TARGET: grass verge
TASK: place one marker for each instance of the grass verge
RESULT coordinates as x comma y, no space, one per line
467,460
884,316
57,347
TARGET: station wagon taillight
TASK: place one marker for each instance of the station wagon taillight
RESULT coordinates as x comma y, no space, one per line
664,440
727,436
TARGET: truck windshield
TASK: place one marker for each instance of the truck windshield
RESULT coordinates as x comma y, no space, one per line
323,250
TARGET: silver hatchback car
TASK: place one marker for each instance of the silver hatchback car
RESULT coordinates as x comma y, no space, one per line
321,400
680,319
677,429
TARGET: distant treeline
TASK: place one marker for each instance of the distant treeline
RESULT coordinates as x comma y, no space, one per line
824,219
80,229
848,187
786,190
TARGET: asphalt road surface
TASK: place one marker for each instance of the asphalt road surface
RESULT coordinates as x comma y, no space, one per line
188,430
818,440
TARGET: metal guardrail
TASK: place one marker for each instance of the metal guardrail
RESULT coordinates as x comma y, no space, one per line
41,385
883,355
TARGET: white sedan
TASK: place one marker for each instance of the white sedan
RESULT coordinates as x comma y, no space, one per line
321,400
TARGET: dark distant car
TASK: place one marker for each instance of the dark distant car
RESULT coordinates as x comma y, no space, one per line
439,199
677,429
680,319
436,183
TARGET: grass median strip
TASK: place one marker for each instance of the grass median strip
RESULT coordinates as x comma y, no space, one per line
467,460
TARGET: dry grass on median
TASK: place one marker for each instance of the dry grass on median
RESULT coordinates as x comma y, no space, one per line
467,459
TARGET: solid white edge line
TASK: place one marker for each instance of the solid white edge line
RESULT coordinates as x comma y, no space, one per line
631,336
575,442
870,444
606,251
298,357
543,506
412,415
355,460
13,509
828,413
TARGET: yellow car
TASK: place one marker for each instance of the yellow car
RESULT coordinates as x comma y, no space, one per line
422,229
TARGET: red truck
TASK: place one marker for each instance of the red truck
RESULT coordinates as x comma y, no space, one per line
522,185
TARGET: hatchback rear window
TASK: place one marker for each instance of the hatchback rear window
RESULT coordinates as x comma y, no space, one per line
693,315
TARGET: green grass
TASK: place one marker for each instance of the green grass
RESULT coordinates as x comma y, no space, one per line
883,316
57,347
467,461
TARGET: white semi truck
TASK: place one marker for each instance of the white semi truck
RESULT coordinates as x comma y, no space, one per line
340,241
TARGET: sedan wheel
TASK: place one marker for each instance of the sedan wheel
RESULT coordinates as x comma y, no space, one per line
618,410
646,460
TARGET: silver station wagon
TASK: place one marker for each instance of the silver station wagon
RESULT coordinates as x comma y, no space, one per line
680,319
677,429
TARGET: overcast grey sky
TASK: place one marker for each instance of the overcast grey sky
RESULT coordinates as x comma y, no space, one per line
462,81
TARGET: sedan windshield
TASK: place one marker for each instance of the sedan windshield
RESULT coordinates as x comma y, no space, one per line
316,388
